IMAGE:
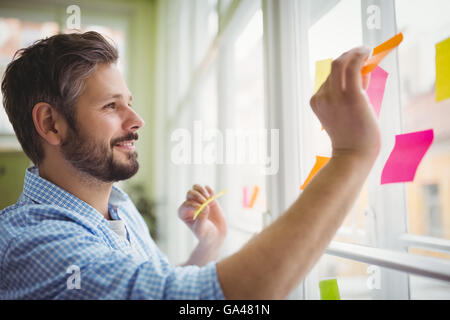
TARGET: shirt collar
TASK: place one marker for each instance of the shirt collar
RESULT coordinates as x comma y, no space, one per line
45,192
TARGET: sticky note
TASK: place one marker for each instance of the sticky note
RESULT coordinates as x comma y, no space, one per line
329,290
380,52
204,204
376,88
323,69
409,149
443,70
389,44
244,197
320,162
254,195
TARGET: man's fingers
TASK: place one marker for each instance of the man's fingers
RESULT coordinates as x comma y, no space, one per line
321,96
353,78
366,81
196,196
337,76
192,204
201,190
210,191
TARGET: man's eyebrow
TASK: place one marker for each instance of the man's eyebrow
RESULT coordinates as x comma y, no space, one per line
117,96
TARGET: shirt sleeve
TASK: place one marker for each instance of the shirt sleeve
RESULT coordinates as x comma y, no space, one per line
62,260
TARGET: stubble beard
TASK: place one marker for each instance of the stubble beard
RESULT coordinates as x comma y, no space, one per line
96,159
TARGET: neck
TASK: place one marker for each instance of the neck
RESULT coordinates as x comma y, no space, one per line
85,187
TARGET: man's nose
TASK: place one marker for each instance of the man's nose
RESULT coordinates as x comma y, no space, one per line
134,122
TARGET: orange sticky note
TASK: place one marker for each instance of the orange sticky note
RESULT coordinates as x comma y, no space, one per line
255,194
380,52
320,162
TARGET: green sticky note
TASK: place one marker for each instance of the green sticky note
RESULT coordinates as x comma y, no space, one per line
329,290
323,69
443,70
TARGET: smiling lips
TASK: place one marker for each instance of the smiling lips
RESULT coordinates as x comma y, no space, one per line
126,145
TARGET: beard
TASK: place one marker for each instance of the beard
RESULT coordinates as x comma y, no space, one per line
96,159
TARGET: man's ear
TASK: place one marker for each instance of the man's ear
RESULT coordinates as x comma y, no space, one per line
48,123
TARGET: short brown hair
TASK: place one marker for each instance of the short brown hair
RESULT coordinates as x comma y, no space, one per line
52,70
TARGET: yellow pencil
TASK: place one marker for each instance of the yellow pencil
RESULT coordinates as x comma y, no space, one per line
221,193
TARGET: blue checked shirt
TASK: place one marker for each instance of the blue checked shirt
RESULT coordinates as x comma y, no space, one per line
55,246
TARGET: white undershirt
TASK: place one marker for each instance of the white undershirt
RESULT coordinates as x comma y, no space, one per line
118,226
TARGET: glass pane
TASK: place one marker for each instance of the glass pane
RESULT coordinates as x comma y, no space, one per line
431,253
360,281
250,135
205,29
425,23
355,279
428,289
335,32
213,19
205,123
236,237
16,34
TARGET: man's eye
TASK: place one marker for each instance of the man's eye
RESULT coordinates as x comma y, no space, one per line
110,106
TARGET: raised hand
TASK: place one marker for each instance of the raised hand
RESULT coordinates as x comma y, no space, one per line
343,108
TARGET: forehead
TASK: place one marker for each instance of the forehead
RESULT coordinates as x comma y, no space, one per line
105,82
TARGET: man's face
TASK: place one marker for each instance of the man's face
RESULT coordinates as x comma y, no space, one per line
102,145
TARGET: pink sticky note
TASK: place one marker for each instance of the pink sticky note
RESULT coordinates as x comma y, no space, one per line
244,198
375,91
404,159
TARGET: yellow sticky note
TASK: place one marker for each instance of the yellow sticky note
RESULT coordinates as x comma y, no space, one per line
443,70
320,162
323,69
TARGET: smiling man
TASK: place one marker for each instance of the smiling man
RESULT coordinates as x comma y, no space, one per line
71,111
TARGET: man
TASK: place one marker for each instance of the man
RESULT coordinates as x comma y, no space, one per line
73,235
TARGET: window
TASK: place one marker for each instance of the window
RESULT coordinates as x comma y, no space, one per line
264,58
248,101
362,281
432,210
331,35
428,289
17,33
425,24
355,279
188,101
389,216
